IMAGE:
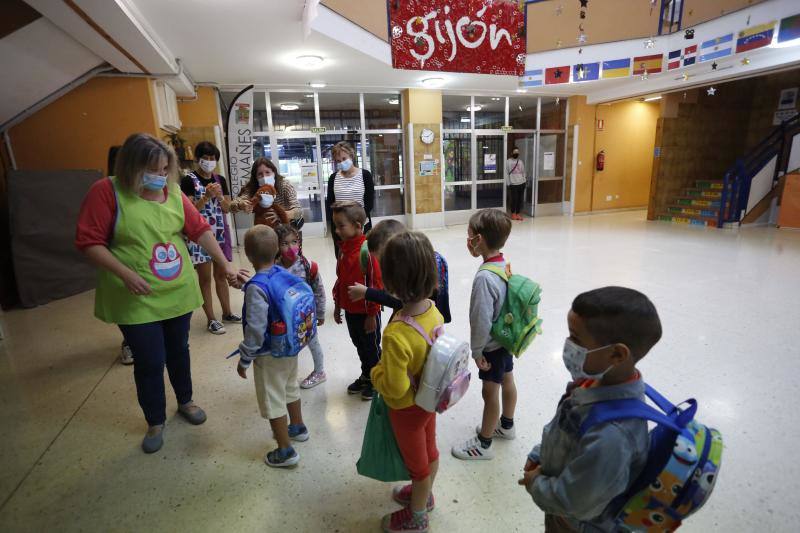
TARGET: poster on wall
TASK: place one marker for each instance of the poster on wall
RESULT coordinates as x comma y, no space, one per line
240,139
549,162
476,36
489,163
788,99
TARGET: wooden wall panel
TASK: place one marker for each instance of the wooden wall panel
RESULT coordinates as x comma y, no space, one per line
698,11
428,189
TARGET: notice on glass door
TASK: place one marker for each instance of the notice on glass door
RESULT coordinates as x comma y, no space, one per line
308,175
549,161
489,163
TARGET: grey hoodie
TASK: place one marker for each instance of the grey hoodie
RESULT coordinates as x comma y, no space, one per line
488,295
581,475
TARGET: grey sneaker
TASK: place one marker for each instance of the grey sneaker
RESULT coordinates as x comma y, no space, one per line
192,413
125,354
278,458
153,439
216,327
500,433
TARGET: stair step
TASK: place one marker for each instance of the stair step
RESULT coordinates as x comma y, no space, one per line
697,202
689,219
704,193
708,184
693,211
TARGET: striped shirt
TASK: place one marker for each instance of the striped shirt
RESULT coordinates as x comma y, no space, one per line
345,188
287,196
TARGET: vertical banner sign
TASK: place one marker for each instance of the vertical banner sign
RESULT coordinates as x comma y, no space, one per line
240,139
476,36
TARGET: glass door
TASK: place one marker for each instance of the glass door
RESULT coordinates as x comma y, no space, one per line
525,142
457,150
490,164
550,174
299,162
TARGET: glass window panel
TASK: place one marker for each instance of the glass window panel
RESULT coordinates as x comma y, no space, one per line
454,112
490,195
457,157
522,112
284,118
261,147
551,160
327,142
339,111
490,157
550,191
382,111
490,112
294,154
385,158
388,202
260,119
554,115
457,197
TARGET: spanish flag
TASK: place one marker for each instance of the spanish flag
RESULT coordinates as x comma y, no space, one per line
650,64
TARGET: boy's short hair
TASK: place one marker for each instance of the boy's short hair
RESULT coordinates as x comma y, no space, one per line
493,225
381,232
352,210
408,266
619,314
261,244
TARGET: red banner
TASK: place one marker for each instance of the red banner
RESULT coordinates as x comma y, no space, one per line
477,36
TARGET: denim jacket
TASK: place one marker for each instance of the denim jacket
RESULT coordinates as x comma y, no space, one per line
580,476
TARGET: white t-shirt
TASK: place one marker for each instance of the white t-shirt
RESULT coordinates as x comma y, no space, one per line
515,170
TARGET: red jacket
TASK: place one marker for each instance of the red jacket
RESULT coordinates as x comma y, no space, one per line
348,273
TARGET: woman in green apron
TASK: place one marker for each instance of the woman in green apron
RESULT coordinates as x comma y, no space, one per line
132,227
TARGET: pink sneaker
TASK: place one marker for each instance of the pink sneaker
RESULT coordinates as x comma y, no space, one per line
402,495
313,379
403,520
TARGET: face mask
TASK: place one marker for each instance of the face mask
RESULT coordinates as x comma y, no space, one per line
267,180
345,165
575,358
266,201
207,165
290,254
153,182
515,155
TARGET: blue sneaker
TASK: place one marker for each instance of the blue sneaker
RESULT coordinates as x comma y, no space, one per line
298,432
280,458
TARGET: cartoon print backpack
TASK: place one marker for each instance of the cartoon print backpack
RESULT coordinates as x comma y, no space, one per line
292,311
445,376
682,463
518,323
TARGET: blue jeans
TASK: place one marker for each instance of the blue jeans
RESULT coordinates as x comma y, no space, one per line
153,345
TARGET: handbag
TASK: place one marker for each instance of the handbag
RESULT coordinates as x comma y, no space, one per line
380,456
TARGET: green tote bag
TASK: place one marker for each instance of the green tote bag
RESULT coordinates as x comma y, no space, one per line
380,457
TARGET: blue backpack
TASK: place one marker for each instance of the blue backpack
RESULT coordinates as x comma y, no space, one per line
683,462
292,312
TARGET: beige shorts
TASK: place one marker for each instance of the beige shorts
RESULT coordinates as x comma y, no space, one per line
276,384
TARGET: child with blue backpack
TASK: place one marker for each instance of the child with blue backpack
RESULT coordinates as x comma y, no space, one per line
578,470
276,328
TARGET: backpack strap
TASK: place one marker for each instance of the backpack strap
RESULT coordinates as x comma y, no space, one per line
313,270
495,270
612,410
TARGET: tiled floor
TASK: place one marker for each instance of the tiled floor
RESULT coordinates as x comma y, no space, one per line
729,303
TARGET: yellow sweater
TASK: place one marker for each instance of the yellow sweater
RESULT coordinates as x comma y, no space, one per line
404,352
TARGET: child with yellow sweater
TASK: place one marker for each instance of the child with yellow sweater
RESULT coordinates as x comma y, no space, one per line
409,272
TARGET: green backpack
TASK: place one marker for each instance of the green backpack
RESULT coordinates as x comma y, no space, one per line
518,322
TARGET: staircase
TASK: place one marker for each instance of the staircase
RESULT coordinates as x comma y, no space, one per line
698,205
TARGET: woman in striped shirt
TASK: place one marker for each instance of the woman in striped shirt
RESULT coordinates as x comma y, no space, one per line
349,182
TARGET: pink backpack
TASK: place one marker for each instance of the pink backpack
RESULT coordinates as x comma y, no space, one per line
445,375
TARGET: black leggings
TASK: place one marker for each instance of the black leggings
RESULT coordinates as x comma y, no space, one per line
516,193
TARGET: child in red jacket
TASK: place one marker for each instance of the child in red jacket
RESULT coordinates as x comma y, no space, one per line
362,317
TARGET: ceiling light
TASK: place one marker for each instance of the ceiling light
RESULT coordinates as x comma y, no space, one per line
317,84
475,108
496,99
464,119
522,90
652,99
309,61
393,101
309,95
289,107
432,83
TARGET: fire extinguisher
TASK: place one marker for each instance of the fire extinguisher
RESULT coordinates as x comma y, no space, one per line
601,160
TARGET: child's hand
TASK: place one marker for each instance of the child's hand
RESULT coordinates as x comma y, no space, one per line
242,371
136,284
337,314
530,476
483,364
241,278
530,465
320,322
357,292
370,324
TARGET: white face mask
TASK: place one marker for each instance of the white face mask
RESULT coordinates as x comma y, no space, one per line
575,358
207,165
266,200
267,180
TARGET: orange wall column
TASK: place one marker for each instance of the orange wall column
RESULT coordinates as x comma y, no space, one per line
582,114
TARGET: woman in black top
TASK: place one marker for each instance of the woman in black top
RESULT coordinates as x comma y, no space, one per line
349,182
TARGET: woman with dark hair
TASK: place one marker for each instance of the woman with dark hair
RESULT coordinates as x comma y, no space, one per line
349,183
208,192
132,227
264,172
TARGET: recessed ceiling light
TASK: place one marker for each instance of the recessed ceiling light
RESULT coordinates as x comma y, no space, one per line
317,84
431,83
309,95
464,119
474,108
309,61
289,107
496,99
522,90
393,101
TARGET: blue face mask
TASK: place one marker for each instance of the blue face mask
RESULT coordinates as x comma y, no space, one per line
345,165
153,182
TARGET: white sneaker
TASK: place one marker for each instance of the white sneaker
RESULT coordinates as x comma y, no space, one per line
500,433
125,354
473,451
216,327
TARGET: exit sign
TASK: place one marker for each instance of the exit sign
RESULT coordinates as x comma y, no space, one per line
319,129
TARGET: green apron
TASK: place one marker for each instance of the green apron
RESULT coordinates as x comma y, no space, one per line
148,239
